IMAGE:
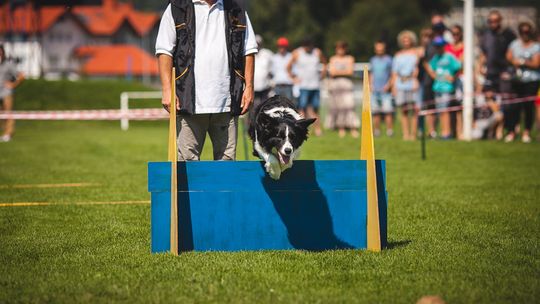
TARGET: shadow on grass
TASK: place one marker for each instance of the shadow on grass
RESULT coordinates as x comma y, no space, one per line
398,244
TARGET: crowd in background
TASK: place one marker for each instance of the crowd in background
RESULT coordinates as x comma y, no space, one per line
423,81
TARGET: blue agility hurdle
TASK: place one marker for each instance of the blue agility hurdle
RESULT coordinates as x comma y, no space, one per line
316,205
233,206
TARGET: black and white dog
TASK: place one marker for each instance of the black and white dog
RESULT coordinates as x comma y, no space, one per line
277,132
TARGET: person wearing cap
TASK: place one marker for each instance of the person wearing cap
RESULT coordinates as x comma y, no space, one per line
443,68
283,84
263,69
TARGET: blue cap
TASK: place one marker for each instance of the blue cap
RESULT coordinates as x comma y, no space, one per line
439,41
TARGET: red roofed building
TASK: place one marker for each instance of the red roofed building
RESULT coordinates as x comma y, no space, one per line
63,31
116,60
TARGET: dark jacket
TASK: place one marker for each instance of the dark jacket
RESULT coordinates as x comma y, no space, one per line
183,12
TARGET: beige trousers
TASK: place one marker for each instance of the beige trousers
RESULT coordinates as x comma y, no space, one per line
221,127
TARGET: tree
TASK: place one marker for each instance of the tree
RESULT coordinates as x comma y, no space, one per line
360,22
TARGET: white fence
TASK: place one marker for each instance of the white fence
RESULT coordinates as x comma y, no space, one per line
124,103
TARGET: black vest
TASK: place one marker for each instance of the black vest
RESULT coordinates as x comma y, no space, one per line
183,12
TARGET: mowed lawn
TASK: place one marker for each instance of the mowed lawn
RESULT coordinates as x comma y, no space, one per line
464,224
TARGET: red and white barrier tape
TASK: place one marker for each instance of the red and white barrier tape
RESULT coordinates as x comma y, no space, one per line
161,114
133,114
460,107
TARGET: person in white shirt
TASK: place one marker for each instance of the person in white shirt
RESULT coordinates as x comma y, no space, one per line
263,77
214,72
283,84
306,60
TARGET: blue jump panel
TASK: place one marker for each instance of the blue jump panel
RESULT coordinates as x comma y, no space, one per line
232,206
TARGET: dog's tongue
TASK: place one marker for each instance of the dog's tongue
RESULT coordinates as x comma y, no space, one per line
284,159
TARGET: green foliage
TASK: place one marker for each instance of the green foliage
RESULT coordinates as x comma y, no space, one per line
358,22
65,94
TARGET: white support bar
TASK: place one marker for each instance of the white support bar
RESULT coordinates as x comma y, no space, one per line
468,70
124,104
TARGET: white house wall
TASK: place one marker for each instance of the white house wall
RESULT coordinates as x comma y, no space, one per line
59,42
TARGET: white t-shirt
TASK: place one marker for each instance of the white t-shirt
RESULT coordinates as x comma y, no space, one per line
211,67
307,69
279,69
263,68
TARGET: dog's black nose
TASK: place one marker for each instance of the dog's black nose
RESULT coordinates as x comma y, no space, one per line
288,151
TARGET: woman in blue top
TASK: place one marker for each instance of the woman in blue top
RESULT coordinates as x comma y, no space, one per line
405,83
524,55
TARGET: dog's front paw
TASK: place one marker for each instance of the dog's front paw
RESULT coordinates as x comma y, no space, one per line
273,168
287,166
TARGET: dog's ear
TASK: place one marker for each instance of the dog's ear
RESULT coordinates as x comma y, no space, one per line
264,120
305,123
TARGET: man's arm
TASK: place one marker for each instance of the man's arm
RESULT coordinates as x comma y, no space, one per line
165,44
294,57
249,71
165,69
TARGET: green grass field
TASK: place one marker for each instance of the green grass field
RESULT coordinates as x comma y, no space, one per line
464,224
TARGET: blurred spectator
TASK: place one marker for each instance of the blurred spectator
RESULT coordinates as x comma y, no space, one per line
425,52
524,55
9,80
443,68
307,60
405,83
487,116
262,76
342,114
494,44
440,29
381,101
282,81
456,48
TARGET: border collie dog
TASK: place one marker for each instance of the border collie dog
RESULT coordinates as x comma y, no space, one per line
277,132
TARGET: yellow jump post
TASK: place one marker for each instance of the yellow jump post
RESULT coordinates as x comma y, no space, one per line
367,153
173,158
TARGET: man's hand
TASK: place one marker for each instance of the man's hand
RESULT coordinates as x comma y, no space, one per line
166,102
247,99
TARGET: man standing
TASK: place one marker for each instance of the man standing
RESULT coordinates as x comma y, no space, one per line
307,60
212,45
283,84
494,44
9,80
